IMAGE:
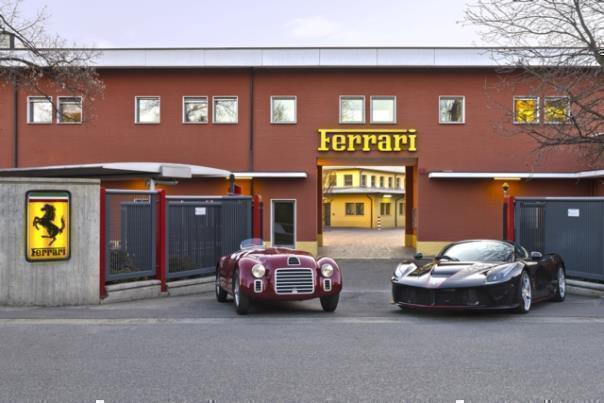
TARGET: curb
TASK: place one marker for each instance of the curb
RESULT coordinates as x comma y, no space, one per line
585,288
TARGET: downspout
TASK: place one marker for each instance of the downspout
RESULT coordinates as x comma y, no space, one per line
251,134
370,211
15,124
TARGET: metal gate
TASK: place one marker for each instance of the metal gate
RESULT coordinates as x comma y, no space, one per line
202,229
571,227
130,243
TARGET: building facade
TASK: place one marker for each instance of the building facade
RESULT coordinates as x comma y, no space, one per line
364,197
278,117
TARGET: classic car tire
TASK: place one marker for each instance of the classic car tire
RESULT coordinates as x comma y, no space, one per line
525,293
330,303
221,295
560,291
242,302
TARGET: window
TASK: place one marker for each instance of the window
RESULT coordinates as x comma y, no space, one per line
373,181
390,183
332,179
383,109
195,110
283,110
69,110
363,180
347,180
381,181
355,208
226,110
556,109
401,208
451,109
384,208
147,110
352,109
526,109
398,183
39,110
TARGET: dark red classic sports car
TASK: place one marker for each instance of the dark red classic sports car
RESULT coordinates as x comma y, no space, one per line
280,274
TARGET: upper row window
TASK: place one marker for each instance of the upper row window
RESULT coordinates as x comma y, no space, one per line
352,109
195,109
39,110
526,109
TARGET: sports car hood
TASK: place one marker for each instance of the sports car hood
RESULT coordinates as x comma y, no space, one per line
449,274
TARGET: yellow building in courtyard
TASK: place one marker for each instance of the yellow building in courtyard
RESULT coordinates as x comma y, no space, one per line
364,197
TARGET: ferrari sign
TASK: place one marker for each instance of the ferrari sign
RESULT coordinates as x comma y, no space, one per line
395,140
47,226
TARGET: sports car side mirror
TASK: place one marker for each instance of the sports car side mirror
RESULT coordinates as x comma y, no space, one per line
536,256
418,256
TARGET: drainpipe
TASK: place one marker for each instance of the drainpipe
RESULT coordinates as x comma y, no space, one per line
15,124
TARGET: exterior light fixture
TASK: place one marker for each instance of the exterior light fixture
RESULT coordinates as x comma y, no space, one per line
511,178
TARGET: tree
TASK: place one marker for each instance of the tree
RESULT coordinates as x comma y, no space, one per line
33,59
556,47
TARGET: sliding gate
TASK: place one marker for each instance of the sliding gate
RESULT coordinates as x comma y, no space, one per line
570,227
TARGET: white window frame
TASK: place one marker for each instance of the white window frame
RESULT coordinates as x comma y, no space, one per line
136,115
340,110
378,97
295,219
59,110
538,103
463,109
285,97
217,97
29,116
184,98
557,97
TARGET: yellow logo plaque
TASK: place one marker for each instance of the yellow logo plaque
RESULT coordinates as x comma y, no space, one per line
365,140
48,225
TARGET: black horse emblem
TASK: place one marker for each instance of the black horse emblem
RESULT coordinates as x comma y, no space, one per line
47,222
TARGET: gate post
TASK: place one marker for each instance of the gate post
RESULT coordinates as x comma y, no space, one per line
103,245
508,218
161,243
257,213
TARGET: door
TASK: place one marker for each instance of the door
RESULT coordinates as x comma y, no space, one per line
327,214
283,223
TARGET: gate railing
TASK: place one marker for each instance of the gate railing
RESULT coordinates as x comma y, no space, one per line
145,234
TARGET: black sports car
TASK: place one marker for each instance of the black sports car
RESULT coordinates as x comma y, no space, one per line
480,274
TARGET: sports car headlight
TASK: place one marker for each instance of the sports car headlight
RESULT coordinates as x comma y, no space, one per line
502,273
258,270
326,270
403,269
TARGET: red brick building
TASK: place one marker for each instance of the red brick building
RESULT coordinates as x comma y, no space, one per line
260,113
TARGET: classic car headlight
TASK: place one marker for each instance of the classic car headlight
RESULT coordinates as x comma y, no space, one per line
502,273
326,270
258,270
403,269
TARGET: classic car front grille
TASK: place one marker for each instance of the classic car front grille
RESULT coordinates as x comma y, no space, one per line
294,281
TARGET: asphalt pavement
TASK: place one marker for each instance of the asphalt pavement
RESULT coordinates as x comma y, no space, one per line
193,348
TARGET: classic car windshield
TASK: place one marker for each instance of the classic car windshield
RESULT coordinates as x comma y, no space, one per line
252,243
478,251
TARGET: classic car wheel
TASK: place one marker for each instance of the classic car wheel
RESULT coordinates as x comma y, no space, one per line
525,293
221,295
242,302
330,303
561,288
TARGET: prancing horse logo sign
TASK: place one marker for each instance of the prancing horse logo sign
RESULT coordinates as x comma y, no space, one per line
48,224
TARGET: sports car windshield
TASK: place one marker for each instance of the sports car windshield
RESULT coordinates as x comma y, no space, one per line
252,243
478,251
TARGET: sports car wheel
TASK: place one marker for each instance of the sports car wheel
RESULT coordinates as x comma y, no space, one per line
561,288
242,302
330,303
525,293
221,295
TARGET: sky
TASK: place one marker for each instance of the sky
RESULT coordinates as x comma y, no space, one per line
262,23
